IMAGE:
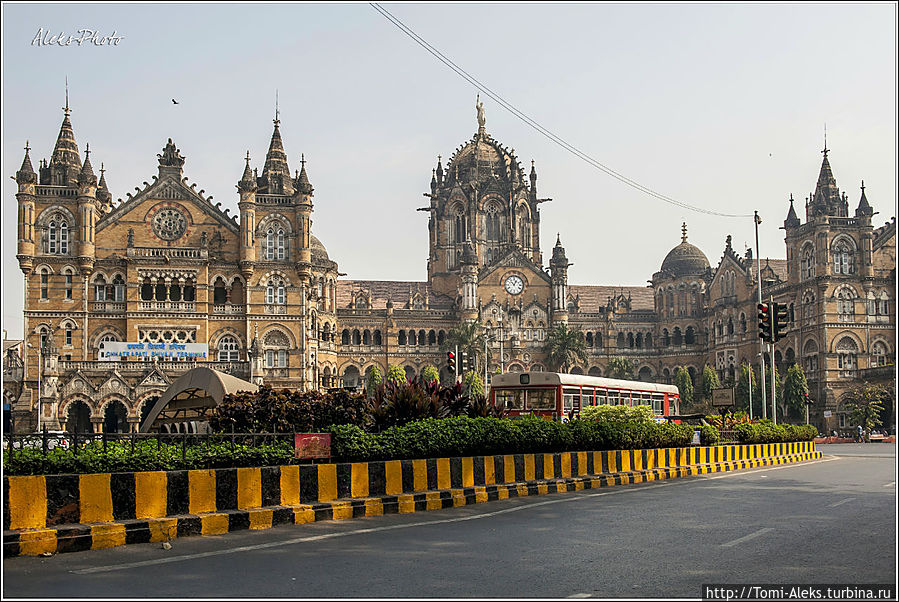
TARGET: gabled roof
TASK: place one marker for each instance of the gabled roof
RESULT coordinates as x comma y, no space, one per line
396,291
594,297
513,257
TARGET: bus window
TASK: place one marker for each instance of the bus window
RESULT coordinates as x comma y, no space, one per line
613,397
541,399
673,405
601,399
588,397
571,400
658,404
510,400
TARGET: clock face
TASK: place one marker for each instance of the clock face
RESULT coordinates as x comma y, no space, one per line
514,285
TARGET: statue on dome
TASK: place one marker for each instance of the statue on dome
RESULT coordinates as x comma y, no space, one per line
480,107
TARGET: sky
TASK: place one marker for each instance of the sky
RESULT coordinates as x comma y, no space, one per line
723,107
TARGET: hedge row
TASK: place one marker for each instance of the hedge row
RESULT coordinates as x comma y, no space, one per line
766,431
462,436
145,456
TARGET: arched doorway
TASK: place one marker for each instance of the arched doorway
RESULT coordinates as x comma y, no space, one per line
79,418
351,377
645,374
115,418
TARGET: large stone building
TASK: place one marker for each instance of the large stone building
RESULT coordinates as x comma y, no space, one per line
169,265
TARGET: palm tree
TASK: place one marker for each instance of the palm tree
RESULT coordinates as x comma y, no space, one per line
469,337
564,347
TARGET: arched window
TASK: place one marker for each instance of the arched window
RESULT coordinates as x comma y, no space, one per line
810,355
630,340
228,349
219,294
846,305
742,322
357,337
275,246
847,353
492,219
730,325
118,288
460,226
690,336
666,338
58,236
69,328
432,338
678,337
807,262
589,339
345,337
524,232
843,257
620,340
45,283
70,278
275,292
441,337
878,354
366,337
377,338
100,288
276,345
401,337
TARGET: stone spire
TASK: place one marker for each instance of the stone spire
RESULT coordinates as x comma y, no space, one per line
247,182
65,163
103,194
276,173
826,199
87,176
864,208
439,171
26,174
792,219
303,185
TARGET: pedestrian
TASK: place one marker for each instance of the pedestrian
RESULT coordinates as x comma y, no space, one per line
860,438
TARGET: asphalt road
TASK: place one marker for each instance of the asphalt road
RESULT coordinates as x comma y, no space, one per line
827,521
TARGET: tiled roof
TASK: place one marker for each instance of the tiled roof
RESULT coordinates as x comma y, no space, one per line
779,266
382,290
594,297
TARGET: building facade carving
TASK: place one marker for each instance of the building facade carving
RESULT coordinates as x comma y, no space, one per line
168,265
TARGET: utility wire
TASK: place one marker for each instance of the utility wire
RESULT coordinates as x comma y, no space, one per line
536,126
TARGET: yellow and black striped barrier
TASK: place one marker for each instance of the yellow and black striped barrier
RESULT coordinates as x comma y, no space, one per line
67,513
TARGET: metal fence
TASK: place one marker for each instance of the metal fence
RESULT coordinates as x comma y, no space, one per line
47,441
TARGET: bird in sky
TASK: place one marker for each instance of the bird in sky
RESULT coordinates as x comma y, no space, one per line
175,101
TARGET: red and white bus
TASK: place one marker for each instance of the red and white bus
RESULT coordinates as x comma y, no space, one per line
555,395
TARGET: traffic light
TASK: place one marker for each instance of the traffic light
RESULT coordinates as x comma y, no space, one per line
451,362
464,361
765,322
781,314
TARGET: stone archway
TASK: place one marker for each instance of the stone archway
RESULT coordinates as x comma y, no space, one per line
78,418
115,417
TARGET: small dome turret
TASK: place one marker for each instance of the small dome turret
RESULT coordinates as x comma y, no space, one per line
685,259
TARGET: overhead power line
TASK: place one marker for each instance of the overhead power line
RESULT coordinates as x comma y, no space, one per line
539,128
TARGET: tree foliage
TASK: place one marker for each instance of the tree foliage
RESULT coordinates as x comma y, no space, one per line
865,403
621,368
795,388
746,383
430,374
473,383
373,379
684,384
565,347
709,383
396,374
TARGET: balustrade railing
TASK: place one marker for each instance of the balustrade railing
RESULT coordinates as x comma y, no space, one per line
167,306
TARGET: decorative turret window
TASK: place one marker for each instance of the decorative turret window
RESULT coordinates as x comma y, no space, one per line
276,345
843,254
524,232
275,244
100,288
57,236
878,354
847,352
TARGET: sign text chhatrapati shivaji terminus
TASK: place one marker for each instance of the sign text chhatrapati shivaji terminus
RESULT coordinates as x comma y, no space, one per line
112,351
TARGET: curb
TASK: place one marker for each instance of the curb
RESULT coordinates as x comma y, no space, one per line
95,536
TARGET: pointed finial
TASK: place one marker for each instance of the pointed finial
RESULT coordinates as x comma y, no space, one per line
277,110
66,108
303,160
825,141
87,150
102,169
684,232
863,182
248,158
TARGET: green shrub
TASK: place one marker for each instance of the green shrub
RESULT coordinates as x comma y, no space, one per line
708,435
765,431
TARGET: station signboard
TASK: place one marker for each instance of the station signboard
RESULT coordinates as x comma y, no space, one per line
114,351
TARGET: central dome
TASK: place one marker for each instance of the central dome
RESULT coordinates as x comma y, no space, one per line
685,259
483,159
318,249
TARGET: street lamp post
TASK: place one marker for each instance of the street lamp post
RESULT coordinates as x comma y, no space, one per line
40,362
